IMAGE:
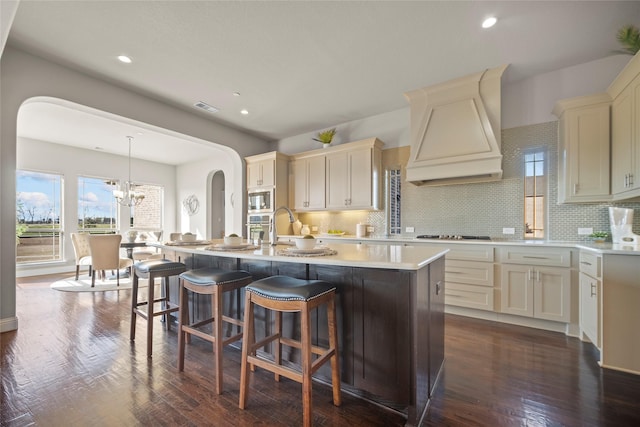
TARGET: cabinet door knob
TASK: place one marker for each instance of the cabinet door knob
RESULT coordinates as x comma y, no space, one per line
593,290
438,286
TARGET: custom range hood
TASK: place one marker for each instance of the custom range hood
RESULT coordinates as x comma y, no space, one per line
455,130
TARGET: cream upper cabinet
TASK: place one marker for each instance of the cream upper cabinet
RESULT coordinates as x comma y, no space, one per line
344,177
536,282
583,149
261,173
353,178
625,132
308,183
349,180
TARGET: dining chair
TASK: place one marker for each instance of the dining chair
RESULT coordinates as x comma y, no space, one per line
82,251
105,254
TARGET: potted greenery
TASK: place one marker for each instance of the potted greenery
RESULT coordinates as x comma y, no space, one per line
599,236
325,137
629,38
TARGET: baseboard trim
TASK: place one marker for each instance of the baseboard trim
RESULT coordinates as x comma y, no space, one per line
9,324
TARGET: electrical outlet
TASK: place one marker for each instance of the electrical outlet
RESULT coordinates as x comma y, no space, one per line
585,231
508,230
409,229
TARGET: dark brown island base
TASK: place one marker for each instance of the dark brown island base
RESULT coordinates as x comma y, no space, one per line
390,307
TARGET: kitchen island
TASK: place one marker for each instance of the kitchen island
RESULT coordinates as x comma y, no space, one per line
390,307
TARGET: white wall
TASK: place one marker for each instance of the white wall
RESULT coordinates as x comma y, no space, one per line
193,178
72,162
525,102
24,76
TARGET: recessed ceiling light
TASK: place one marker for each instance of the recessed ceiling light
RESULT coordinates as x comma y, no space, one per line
236,93
244,112
125,59
489,22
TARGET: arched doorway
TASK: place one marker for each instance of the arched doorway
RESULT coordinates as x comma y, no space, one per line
216,204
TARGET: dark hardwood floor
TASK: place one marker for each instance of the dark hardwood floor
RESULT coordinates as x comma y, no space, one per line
71,364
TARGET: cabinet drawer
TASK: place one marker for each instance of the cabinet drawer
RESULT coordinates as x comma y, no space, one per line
536,256
469,272
471,253
470,296
591,264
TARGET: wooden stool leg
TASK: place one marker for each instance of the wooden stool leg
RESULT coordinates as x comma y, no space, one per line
305,335
333,343
134,305
217,308
183,319
248,340
150,314
165,302
277,351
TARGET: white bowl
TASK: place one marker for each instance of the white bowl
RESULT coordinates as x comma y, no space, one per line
188,237
232,240
305,243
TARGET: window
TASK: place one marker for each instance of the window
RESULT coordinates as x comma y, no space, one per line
535,185
147,216
97,208
393,186
38,216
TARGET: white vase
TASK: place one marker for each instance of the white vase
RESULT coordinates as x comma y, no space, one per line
305,229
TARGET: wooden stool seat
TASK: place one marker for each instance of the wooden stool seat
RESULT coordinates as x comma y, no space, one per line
214,282
286,294
158,268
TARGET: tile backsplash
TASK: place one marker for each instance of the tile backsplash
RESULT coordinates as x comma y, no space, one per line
485,208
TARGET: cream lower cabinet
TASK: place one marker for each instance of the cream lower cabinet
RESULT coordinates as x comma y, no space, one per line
469,277
590,297
532,285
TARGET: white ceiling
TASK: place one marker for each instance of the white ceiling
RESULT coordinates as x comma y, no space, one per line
302,66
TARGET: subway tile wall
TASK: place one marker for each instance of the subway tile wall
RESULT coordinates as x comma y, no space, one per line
485,208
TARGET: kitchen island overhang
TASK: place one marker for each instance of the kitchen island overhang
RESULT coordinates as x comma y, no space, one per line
390,303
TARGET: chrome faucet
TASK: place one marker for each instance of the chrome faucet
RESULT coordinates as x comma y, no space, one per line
272,224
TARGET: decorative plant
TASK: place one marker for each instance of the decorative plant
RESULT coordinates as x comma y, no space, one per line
599,235
326,136
629,37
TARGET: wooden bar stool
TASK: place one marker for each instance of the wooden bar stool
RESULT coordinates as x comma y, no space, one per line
157,268
287,294
214,282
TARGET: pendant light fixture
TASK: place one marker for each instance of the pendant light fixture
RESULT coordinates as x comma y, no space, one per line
127,195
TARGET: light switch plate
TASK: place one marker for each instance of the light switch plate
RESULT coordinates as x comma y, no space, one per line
585,231
508,230
409,229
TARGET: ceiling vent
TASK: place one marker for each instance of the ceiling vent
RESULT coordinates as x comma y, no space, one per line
206,107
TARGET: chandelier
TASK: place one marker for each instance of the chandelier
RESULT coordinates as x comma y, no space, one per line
127,195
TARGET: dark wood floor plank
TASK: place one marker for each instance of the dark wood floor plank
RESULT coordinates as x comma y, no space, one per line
71,363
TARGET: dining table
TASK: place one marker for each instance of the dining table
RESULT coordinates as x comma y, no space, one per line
129,246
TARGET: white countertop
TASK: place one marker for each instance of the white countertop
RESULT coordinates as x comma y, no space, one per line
391,256
603,248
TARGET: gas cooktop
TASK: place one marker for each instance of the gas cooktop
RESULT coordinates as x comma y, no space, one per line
452,237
